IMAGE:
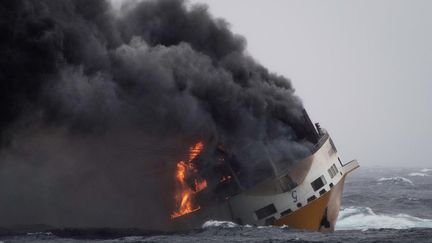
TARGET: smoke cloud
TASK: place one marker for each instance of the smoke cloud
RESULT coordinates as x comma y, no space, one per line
97,106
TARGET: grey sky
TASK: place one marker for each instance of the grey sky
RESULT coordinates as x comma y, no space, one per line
363,68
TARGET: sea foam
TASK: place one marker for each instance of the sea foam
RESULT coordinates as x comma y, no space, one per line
363,218
418,174
217,223
398,180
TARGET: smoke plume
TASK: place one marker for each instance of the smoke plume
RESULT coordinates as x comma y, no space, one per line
97,106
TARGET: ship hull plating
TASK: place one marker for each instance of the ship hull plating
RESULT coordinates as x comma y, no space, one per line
319,215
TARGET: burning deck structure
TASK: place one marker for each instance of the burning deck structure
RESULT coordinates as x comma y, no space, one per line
304,195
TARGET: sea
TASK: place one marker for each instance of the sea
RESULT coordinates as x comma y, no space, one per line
379,205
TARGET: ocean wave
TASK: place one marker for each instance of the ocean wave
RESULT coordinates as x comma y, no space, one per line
418,174
363,218
398,180
220,224
426,170
39,234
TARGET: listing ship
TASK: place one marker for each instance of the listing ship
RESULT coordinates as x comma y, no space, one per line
306,196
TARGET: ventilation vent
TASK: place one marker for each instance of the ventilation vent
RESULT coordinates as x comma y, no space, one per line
311,198
333,171
288,211
322,191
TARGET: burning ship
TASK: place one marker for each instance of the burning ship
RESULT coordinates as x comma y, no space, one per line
100,81
305,196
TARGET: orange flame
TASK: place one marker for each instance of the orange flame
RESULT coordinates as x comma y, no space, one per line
184,194
195,150
200,185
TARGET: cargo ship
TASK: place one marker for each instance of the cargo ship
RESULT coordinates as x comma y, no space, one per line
306,196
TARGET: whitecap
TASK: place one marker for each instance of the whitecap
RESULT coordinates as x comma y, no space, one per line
217,223
130,239
39,233
426,170
396,180
363,218
418,174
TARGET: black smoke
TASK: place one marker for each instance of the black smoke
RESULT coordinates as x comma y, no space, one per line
97,106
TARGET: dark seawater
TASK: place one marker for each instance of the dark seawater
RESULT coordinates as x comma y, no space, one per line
379,205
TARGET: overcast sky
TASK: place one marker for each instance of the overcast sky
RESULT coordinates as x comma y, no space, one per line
363,68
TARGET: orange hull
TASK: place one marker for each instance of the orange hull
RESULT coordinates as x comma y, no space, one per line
319,215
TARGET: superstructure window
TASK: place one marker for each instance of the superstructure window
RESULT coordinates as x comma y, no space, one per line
333,171
318,183
265,211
